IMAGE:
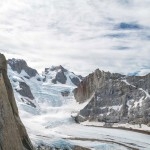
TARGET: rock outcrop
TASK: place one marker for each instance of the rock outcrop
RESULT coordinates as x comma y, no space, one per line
114,98
25,90
75,80
13,135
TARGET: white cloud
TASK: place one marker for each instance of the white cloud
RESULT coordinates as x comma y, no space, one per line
79,34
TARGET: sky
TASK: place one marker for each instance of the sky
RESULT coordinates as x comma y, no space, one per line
81,35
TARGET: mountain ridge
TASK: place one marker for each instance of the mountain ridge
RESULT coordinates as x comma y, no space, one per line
115,98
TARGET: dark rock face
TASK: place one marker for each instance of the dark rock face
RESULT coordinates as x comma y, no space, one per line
65,93
19,65
60,77
12,132
75,81
25,90
114,98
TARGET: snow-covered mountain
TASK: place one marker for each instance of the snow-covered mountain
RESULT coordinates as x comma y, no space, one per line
31,88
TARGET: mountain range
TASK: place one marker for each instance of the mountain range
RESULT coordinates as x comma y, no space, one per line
57,98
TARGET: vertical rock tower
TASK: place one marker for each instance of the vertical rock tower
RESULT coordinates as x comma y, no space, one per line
13,135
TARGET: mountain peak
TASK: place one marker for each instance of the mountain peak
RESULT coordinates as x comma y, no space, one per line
56,68
61,75
19,65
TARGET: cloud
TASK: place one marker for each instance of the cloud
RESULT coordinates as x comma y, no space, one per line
80,34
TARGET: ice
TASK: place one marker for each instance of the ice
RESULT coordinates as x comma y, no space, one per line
98,145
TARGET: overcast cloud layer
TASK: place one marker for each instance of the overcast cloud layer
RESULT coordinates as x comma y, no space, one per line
82,35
